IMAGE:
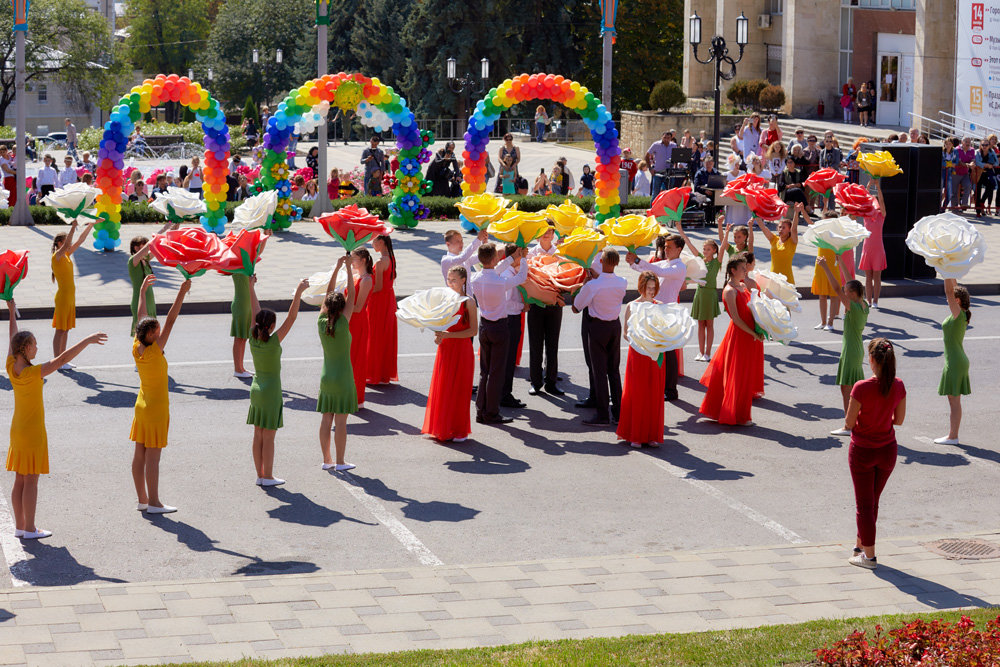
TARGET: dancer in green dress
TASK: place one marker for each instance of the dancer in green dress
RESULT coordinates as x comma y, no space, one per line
955,376
242,320
852,351
138,268
705,307
338,396
265,392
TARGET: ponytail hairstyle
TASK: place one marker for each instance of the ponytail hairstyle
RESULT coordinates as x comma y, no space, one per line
735,261
265,320
20,341
366,257
387,242
57,242
334,304
145,326
855,287
464,275
660,247
881,352
136,243
962,294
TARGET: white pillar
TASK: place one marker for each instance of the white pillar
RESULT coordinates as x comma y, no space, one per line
21,215
321,204
606,69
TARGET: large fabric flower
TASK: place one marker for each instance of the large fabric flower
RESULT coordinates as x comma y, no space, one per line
242,251
566,217
519,227
315,294
193,250
823,180
734,189
949,243
548,277
353,226
879,164
13,269
772,318
669,205
655,328
256,211
854,199
836,234
178,204
437,308
631,231
582,246
71,201
695,268
765,203
777,287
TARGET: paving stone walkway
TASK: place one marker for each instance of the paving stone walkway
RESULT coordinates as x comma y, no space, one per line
479,605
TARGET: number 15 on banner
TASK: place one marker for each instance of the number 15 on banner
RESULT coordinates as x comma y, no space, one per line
21,14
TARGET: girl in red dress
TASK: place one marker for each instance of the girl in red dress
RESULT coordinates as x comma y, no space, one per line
758,344
447,415
382,316
641,418
730,375
359,320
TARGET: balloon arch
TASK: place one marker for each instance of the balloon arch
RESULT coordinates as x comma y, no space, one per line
129,110
377,107
558,89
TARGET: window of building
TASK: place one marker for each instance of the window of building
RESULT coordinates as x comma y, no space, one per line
774,64
880,4
43,94
846,43
777,6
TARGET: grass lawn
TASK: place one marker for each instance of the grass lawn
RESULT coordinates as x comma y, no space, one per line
768,645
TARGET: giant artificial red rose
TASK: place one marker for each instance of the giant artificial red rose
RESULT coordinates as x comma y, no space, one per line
669,204
13,269
353,226
822,181
548,277
241,251
193,250
734,189
765,203
855,199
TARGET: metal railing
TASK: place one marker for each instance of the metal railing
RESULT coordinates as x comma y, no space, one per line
953,126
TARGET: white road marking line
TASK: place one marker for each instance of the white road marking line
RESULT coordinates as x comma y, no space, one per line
395,526
731,502
13,552
974,460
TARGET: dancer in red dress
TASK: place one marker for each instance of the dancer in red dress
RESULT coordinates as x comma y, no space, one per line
448,402
359,320
382,339
641,419
729,376
758,344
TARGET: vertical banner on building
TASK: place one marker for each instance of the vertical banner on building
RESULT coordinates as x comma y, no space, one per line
21,15
977,69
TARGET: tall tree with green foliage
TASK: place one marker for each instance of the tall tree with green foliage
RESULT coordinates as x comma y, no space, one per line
374,40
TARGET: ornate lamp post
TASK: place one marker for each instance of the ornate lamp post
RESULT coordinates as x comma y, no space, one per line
719,53
468,84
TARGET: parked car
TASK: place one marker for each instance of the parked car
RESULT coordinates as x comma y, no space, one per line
53,140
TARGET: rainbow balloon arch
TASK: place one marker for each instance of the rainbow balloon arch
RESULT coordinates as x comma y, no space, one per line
110,160
571,95
378,107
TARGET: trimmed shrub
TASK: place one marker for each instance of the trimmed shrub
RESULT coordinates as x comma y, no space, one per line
666,95
772,97
250,110
746,92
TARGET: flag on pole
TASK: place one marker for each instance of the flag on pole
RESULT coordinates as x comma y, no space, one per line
21,15
322,12
609,12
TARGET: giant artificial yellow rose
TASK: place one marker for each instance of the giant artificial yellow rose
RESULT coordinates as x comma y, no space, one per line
482,209
566,217
519,227
879,164
631,231
582,246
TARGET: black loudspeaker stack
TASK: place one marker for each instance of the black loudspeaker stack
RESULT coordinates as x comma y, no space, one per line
908,197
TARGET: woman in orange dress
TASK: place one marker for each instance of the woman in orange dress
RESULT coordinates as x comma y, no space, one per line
641,418
382,340
729,376
449,399
359,320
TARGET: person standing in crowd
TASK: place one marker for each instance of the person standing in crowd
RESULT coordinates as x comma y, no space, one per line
641,185
749,133
873,260
459,255
700,184
864,103
8,169
541,186
515,328
783,243
705,306
798,140
194,181
630,165
68,175
955,375
85,163
586,182
312,160
963,180
338,396
373,160
772,135
360,324
811,155
641,418
658,157
848,93
603,297
250,132
949,158
544,326
383,337
138,268
986,162
877,406
542,121
774,157
64,314
71,139
47,177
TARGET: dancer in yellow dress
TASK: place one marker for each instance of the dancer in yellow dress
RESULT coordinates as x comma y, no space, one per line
827,292
152,405
28,453
783,243
64,317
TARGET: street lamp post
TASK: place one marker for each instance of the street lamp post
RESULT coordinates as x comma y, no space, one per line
468,84
719,53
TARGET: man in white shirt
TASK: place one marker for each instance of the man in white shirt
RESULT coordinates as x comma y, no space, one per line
490,290
515,306
544,325
672,272
603,297
457,255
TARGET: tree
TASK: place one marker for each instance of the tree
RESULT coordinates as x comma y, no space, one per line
666,95
374,42
67,43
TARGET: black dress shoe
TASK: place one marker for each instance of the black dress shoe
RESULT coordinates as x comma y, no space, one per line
554,390
596,421
475,388
534,391
588,403
511,402
498,420
670,397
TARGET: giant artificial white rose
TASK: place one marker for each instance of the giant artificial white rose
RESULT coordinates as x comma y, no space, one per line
949,243
696,269
4,198
836,234
315,294
655,328
72,200
256,211
771,316
776,286
437,308
177,204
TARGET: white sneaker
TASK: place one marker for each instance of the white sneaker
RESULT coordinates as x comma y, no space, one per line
141,507
654,445
840,431
166,509
875,305
819,326
341,467
37,535
68,367
327,466
828,327
946,441
18,532
243,374
863,561
273,481
699,357
361,405
259,481
636,445
458,439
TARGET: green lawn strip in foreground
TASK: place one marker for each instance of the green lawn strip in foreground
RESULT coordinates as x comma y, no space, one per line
766,645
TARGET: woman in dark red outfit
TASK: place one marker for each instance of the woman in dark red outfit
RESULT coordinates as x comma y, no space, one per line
359,320
730,376
382,339
449,400
641,418
877,406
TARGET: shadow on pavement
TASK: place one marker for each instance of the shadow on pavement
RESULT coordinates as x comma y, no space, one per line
54,566
378,423
417,510
942,459
6,615
484,460
394,394
548,443
676,454
927,592
103,396
298,508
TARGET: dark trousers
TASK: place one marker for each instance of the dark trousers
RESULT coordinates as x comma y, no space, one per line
510,359
870,470
544,325
585,338
492,358
670,366
605,355
984,190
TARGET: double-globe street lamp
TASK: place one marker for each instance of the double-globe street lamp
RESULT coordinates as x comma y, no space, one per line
719,53
467,84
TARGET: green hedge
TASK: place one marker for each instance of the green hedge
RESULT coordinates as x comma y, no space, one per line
90,138
440,207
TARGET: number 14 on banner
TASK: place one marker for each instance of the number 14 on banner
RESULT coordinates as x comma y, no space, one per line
21,14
